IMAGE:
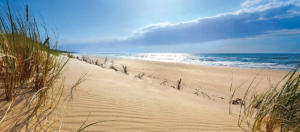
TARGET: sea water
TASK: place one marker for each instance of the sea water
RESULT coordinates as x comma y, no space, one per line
278,61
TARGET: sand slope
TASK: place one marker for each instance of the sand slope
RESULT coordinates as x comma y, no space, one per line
126,103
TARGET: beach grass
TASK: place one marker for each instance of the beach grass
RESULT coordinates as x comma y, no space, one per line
30,66
277,109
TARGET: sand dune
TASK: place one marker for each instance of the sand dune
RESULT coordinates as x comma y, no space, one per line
126,103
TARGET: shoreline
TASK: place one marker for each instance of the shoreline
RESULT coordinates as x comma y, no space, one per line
192,64
249,68
200,64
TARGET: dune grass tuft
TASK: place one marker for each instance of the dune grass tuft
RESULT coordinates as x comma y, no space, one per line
125,69
29,68
277,109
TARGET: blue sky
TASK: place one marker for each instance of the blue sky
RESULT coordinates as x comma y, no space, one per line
201,26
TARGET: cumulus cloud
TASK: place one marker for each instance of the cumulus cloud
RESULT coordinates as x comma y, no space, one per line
255,18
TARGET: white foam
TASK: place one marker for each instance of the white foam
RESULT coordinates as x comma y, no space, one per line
201,60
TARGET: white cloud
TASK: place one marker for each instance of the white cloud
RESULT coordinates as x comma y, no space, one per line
249,3
255,18
152,27
283,32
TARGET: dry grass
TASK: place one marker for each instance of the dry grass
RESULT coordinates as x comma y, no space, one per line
70,55
87,59
179,84
30,70
125,69
140,75
114,68
277,109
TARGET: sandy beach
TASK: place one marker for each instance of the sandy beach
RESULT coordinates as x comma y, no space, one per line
149,66
147,98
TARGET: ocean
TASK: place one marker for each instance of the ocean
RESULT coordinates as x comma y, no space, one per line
278,61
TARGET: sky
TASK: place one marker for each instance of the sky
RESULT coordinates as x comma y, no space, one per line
196,26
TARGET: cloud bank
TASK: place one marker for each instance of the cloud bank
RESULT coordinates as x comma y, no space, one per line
254,18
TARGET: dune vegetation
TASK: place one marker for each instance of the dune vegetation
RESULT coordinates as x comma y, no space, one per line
30,70
277,109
